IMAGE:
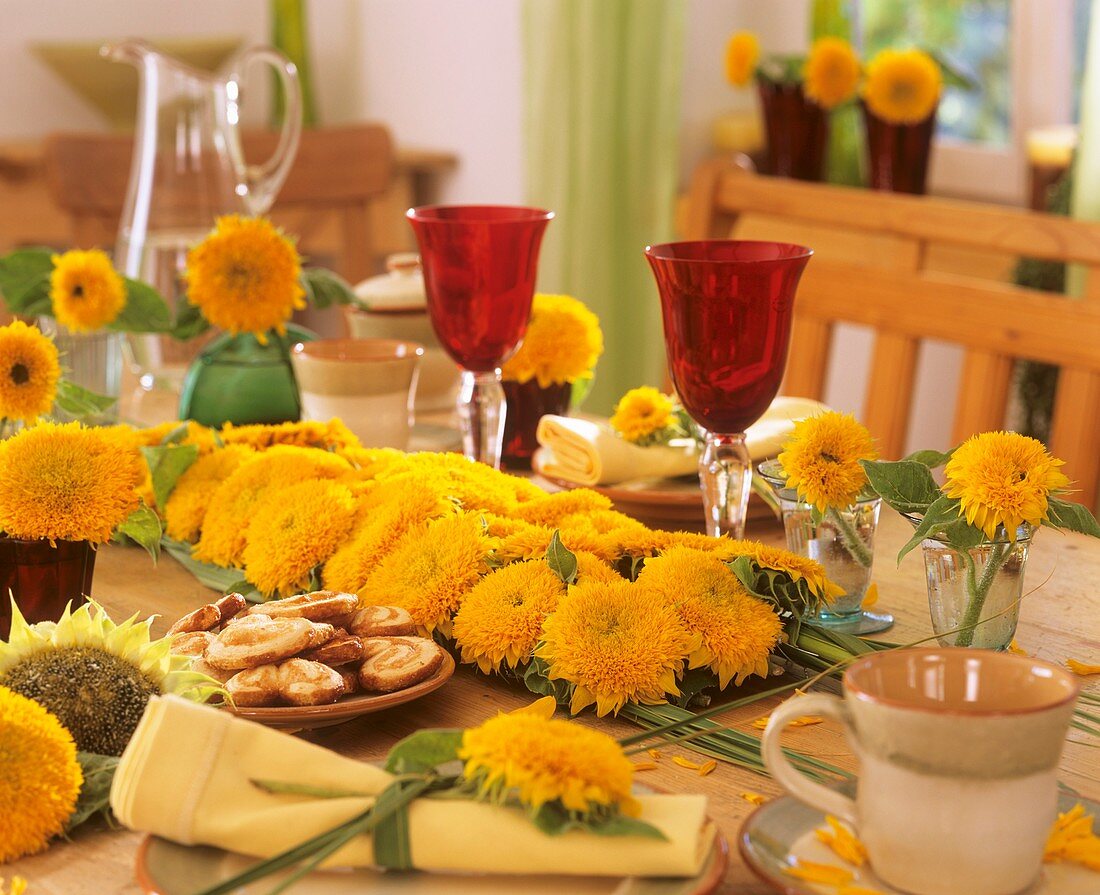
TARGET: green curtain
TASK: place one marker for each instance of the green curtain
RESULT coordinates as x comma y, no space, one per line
602,119
1085,198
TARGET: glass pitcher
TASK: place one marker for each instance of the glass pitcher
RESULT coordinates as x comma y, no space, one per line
188,167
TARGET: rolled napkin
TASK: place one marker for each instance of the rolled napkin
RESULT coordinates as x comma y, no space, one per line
589,452
185,776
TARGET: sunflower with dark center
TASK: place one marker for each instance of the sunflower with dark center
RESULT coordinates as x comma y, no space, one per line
29,362
86,291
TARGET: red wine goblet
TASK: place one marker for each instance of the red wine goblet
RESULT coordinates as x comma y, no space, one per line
726,307
479,265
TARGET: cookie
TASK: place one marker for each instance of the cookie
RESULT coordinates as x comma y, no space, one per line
381,621
321,605
260,640
394,663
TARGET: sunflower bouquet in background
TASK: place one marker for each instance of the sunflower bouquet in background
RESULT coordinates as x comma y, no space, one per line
646,416
830,512
552,370
975,530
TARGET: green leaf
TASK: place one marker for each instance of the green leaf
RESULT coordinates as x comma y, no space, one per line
929,458
189,321
143,527
580,390
78,402
145,310
952,75
95,791
324,288
621,825
281,787
537,679
553,820
167,463
561,560
940,514
1070,516
424,751
25,281
694,682
906,485
224,581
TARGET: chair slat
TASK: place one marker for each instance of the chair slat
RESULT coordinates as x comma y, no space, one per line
811,340
983,394
890,391
1076,429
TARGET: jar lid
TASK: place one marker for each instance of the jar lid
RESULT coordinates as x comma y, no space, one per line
400,289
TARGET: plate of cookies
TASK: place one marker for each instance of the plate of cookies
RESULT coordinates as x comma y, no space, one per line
312,660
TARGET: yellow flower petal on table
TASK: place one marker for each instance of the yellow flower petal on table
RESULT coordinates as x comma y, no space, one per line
842,841
902,86
642,414
707,767
821,459
685,763
1002,479
831,73
654,754
813,872
870,596
742,55
29,372
856,889
544,707
86,291
1015,648
645,766
804,721
754,798
244,277
562,343
1082,668
18,885
1072,839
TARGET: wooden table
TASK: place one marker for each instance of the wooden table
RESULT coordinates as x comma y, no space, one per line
1060,619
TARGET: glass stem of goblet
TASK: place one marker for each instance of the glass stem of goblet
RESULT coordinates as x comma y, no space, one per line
725,475
481,410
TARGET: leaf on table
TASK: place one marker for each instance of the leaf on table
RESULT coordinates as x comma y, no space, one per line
167,462
143,527
95,791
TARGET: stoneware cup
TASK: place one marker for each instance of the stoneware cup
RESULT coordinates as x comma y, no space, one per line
958,753
368,383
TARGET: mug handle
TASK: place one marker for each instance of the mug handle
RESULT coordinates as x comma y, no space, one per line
797,784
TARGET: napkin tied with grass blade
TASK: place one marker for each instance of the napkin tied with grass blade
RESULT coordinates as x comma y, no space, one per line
588,452
185,776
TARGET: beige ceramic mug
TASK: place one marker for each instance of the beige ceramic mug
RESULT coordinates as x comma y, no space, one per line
958,753
368,383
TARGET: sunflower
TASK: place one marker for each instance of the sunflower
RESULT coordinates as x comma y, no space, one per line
616,643
821,459
642,414
738,631
742,55
333,435
1003,479
562,343
431,570
292,530
501,618
244,277
797,568
635,543
94,675
902,86
831,72
551,509
222,540
590,568
85,290
65,482
29,371
369,462
527,542
474,485
190,498
41,779
540,760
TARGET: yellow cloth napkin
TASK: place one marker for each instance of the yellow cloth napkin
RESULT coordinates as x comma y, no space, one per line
588,452
185,777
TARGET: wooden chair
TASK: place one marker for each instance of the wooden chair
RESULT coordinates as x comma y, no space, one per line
328,200
905,267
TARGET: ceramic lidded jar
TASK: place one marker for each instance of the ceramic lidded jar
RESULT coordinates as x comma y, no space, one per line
394,306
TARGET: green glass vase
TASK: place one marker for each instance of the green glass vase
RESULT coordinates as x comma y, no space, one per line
238,380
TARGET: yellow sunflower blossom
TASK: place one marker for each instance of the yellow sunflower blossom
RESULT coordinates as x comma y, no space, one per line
369,462
222,539
86,291
591,568
551,509
1003,479
642,414
331,435
500,620
431,571
742,56
244,277
65,482
190,498
541,759
29,371
831,73
41,779
799,568
294,529
562,343
616,643
1072,839
902,86
636,543
738,631
527,542
475,486
821,459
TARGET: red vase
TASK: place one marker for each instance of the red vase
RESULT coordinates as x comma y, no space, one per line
898,153
43,578
528,402
797,131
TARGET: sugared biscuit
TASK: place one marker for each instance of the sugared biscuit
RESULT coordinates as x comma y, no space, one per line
294,682
191,643
259,640
394,663
321,605
342,649
381,621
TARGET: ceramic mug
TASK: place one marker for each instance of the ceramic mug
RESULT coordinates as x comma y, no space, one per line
958,752
368,383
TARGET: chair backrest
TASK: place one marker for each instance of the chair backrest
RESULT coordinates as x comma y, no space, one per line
326,200
905,267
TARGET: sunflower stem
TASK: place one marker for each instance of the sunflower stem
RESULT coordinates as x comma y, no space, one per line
853,543
979,592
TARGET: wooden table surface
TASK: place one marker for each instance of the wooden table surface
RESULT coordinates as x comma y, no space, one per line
1060,619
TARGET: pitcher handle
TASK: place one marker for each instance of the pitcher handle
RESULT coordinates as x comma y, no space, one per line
797,784
264,181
